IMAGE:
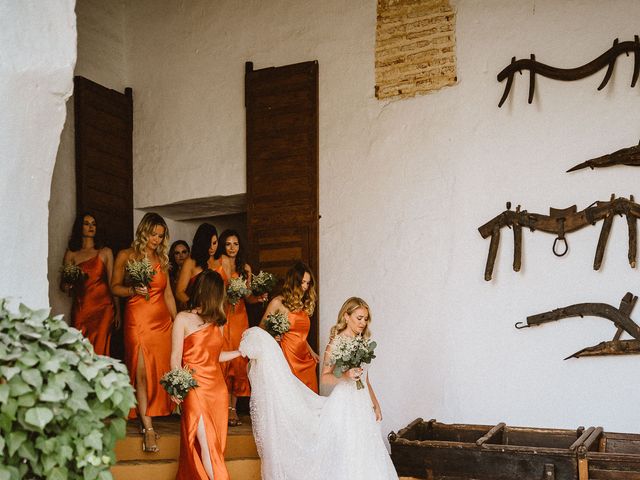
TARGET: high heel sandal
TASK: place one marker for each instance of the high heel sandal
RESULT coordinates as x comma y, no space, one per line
146,446
233,422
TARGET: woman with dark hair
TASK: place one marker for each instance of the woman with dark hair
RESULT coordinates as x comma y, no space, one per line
148,322
94,310
232,264
297,301
197,343
178,253
203,248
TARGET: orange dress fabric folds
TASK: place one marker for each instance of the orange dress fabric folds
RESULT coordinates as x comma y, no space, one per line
209,401
147,331
235,372
93,306
296,351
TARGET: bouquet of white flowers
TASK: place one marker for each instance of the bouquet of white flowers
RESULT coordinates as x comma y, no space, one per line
263,282
277,323
237,289
178,382
351,352
72,274
139,273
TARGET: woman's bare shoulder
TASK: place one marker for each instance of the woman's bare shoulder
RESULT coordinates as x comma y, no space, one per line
125,254
277,301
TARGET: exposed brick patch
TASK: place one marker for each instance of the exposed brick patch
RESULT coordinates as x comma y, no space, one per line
415,47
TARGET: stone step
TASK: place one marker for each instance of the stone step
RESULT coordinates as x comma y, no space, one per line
240,445
241,455
239,469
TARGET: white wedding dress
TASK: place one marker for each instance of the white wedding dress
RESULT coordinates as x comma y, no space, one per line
303,436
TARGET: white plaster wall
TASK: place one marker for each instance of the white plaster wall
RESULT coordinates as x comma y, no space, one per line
101,59
404,185
38,54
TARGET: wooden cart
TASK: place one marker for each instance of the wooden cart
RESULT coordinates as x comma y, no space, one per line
438,451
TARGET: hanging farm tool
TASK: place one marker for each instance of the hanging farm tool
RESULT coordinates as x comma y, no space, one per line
561,222
626,156
620,317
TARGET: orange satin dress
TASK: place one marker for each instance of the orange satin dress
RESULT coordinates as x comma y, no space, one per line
296,351
147,329
235,372
209,400
93,308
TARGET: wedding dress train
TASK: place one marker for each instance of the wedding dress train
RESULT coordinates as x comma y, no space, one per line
303,436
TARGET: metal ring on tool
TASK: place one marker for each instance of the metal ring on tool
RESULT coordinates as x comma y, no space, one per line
566,247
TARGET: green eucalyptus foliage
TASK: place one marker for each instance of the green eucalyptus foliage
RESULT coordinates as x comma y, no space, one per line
62,407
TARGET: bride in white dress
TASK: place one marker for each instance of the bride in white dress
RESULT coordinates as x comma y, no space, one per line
303,436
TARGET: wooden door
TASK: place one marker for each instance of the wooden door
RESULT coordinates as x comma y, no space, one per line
282,169
104,173
104,176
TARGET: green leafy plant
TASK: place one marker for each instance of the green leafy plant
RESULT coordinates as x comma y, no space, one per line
62,407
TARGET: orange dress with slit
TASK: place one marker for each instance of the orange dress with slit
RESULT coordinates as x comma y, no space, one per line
147,330
209,401
93,308
235,371
296,351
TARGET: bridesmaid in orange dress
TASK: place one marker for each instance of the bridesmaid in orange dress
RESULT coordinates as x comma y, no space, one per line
148,323
230,256
94,310
178,253
197,343
298,301
204,246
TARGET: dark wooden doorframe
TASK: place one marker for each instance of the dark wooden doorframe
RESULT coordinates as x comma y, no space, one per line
282,169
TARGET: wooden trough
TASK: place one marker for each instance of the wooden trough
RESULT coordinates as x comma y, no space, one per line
437,451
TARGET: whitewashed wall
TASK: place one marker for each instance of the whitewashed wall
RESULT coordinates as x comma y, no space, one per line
101,59
404,185
38,45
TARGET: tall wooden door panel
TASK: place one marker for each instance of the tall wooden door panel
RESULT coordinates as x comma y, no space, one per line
104,176
282,168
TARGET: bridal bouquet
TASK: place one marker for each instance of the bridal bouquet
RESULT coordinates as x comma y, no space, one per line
237,290
277,323
140,273
72,274
351,352
178,382
263,282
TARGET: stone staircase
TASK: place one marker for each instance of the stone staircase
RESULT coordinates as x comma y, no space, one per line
241,456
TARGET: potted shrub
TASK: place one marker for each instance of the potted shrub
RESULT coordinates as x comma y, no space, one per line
62,407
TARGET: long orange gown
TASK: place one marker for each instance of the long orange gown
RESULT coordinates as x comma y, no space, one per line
93,308
296,351
147,329
235,372
209,400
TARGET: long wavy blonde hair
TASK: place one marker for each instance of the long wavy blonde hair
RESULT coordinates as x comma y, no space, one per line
293,297
144,231
348,307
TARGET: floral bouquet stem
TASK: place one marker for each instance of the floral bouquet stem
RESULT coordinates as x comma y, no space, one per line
73,275
178,382
237,290
277,323
263,282
351,352
140,273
